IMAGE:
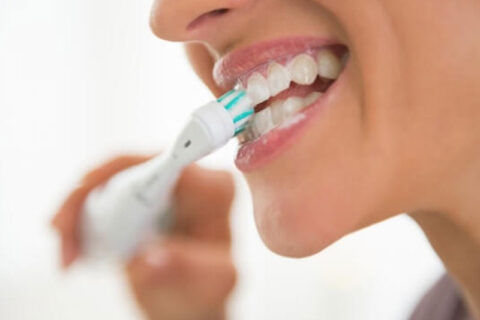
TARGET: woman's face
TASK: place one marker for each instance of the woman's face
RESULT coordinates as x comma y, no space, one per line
391,135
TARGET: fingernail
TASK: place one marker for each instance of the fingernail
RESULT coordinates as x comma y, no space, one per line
157,258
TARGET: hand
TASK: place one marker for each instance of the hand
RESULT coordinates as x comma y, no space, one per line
186,274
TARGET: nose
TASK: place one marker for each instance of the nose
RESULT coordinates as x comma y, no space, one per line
185,20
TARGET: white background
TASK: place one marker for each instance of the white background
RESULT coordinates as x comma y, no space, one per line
81,81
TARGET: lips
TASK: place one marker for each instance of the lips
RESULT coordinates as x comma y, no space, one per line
289,82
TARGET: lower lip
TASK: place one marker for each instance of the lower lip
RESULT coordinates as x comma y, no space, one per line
256,154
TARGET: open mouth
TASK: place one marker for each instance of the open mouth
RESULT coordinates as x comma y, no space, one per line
281,89
289,81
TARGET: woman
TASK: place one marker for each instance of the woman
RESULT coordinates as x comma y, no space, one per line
394,130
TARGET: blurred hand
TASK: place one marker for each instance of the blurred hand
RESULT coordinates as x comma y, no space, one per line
186,274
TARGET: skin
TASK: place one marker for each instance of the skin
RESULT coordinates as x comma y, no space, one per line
402,135
186,274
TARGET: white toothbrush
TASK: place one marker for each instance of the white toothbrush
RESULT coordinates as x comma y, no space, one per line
134,203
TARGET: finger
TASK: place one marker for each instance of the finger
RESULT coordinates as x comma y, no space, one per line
177,274
70,251
66,220
203,200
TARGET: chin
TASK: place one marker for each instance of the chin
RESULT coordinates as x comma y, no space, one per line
299,226
302,208
291,233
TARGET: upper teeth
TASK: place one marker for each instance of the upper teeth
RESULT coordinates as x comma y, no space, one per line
329,66
278,78
303,69
258,88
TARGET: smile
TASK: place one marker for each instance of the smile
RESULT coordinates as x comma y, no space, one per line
292,81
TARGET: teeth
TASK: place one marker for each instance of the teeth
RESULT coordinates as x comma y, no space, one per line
263,121
248,134
257,88
329,65
277,112
312,97
278,78
292,105
303,69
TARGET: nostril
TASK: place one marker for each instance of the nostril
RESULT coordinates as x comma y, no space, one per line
207,16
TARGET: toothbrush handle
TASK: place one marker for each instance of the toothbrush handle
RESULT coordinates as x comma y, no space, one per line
123,213
131,207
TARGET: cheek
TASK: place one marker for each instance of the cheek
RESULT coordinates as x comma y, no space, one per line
338,176
324,187
299,218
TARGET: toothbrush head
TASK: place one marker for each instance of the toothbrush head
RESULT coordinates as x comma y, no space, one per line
213,125
239,106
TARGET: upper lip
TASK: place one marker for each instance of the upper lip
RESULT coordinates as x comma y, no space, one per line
232,66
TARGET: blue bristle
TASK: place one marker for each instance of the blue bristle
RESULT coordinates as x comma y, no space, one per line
225,96
234,101
243,115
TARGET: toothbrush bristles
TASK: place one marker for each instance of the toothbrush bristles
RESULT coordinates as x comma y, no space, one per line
240,107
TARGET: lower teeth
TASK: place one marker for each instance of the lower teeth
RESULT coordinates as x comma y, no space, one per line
276,114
